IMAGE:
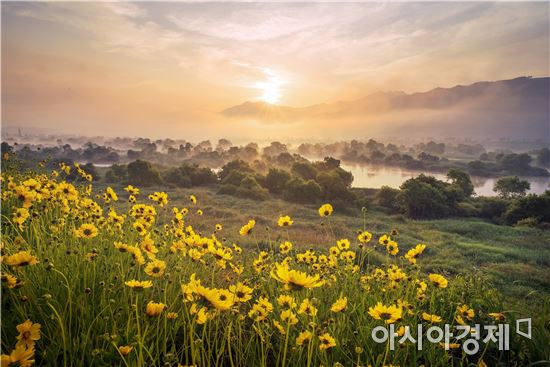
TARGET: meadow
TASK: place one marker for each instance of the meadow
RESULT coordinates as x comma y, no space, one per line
124,276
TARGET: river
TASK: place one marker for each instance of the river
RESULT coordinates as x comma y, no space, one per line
370,176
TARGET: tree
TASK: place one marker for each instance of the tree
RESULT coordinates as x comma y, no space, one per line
511,186
300,191
531,206
425,197
462,180
387,197
543,157
237,165
304,170
276,180
420,200
142,173
516,163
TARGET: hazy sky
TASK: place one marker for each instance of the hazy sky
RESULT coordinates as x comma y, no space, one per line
168,69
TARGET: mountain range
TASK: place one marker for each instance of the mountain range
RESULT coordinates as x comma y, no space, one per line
514,108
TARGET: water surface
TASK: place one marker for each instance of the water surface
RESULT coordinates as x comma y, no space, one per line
371,176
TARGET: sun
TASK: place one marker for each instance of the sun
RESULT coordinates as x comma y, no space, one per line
271,87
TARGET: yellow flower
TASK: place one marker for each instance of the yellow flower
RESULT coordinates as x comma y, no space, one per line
438,280
202,316
287,301
261,309
20,216
172,315
161,198
413,253
343,244
218,227
284,221
460,320
340,304
220,299
148,245
307,308
326,341
294,279
20,355
285,247
125,349
384,240
193,199
139,285
304,337
131,190
25,196
21,258
466,311
497,316
155,268
241,292
28,333
289,317
87,230
389,314
392,248
199,212
154,309
431,318
10,280
279,327
325,210
364,237
247,228
110,195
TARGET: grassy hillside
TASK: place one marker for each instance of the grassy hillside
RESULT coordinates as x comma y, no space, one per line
92,279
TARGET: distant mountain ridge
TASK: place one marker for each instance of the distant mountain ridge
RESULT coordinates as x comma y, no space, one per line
514,106
526,87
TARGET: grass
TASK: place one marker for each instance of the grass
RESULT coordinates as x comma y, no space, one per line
77,291
456,246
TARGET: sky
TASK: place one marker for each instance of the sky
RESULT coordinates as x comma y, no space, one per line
168,69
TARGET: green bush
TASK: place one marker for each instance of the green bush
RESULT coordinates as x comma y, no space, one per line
492,208
300,191
142,173
276,180
531,206
465,209
387,198
304,170
420,200
117,173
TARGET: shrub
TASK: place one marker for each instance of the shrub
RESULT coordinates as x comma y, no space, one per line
535,206
117,173
387,198
304,170
177,177
421,200
142,173
276,180
237,165
334,188
492,208
302,191
466,209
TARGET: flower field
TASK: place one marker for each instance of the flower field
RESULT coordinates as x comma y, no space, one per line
104,277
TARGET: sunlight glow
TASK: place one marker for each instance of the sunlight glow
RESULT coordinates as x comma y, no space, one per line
271,87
